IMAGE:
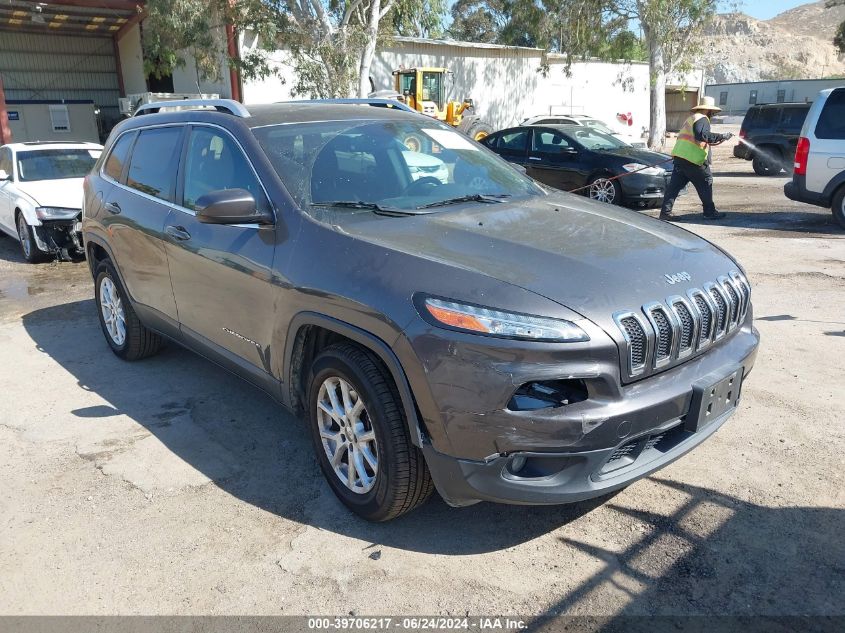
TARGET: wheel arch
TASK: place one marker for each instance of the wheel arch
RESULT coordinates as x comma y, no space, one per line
303,343
833,187
96,251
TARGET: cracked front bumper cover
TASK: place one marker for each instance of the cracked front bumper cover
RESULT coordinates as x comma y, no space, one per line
58,235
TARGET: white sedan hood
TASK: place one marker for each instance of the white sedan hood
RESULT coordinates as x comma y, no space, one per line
66,193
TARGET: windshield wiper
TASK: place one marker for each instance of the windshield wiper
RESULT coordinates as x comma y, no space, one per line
359,204
475,197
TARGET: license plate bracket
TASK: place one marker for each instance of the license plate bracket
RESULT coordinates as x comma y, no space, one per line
712,399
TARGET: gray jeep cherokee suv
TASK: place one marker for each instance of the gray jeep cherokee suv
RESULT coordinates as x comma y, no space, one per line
439,319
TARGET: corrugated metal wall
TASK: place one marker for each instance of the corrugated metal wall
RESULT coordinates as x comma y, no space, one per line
53,66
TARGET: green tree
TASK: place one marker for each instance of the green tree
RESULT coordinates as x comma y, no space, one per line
418,18
176,30
671,30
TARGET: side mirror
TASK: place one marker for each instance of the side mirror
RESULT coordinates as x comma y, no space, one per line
520,168
230,206
4,175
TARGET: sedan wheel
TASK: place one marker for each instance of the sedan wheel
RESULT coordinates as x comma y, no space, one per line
31,252
604,190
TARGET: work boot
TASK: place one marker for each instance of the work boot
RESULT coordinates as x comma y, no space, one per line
667,216
716,215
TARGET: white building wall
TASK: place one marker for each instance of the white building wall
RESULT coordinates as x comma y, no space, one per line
504,82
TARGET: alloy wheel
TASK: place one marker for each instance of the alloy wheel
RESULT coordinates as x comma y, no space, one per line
347,434
23,234
602,190
111,307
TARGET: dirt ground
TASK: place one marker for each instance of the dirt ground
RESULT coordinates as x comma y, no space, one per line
170,487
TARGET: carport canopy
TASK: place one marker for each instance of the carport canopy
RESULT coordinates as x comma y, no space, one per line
71,17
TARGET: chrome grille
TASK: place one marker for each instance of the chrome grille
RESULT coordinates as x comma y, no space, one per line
705,328
664,334
637,342
682,325
687,326
721,310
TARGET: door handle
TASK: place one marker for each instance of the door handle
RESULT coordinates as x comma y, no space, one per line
178,233
112,207
534,158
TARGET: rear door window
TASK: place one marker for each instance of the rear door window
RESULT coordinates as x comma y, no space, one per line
117,157
152,169
513,143
831,123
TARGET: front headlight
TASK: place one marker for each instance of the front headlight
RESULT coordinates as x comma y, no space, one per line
644,169
480,320
55,213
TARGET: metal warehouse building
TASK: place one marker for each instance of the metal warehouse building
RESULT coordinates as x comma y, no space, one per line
64,65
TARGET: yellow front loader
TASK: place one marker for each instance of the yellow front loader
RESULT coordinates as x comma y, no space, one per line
424,89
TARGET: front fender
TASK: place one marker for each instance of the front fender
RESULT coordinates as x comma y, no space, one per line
365,339
27,206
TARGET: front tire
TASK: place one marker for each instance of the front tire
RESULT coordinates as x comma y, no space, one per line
29,249
124,332
360,435
602,189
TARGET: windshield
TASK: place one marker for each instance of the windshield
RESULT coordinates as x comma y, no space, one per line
598,125
55,164
395,165
593,139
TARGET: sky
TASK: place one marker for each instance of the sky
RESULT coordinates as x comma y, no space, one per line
763,9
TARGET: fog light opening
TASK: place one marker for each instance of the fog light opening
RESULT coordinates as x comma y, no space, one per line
517,464
547,394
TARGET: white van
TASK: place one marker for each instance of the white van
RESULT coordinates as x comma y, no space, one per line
819,176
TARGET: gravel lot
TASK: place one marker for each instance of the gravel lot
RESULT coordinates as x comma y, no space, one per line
170,487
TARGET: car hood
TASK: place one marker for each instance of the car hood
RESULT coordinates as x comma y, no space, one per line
593,258
66,193
644,156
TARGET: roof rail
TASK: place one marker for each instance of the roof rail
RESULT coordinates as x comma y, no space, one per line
379,103
228,106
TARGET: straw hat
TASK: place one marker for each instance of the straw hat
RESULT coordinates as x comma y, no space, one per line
707,104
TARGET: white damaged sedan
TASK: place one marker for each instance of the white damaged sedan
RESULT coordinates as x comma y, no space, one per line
41,196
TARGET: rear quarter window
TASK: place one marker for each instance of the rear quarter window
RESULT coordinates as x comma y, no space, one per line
116,160
831,123
792,119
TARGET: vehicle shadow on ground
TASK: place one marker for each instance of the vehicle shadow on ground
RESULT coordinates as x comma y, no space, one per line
783,223
716,555
251,447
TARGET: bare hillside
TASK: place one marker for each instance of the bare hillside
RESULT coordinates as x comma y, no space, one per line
796,44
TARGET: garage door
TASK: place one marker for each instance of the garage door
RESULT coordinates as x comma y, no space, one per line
38,66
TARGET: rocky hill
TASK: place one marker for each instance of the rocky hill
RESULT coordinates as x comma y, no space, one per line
797,44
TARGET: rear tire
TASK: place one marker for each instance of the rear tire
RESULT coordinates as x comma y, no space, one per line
360,435
764,166
124,332
838,206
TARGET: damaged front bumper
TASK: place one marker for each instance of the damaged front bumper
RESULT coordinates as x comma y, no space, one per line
478,448
59,236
